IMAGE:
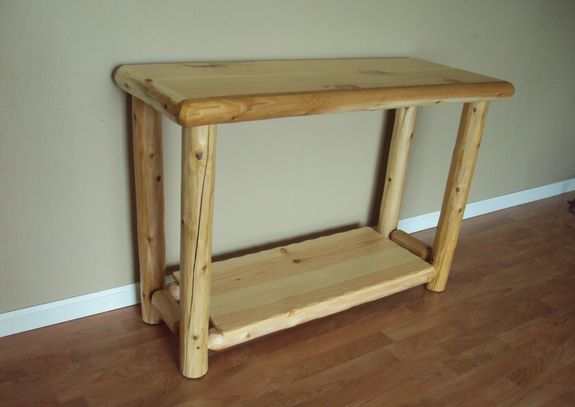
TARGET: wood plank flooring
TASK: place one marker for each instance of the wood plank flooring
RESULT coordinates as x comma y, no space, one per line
502,334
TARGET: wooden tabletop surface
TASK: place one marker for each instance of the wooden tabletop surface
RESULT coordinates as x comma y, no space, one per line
221,92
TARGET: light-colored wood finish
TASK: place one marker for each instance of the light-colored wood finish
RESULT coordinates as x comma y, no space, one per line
198,172
275,289
168,309
407,241
457,189
199,93
401,138
148,172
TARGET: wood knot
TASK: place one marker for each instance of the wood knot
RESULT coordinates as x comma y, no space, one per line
195,337
457,189
296,261
474,110
159,178
199,155
204,268
283,250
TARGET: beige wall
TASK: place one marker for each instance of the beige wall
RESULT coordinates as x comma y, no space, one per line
64,180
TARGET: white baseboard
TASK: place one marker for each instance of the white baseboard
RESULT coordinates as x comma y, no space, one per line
90,304
39,316
429,220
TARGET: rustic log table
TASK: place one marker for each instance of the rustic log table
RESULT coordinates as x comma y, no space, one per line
221,304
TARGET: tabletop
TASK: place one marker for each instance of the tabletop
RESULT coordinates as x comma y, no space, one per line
200,93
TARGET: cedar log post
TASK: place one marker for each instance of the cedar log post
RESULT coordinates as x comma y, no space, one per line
148,172
456,190
198,171
396,169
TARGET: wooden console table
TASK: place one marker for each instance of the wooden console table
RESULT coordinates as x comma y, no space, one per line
219,305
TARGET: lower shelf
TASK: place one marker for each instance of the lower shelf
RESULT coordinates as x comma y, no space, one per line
265,292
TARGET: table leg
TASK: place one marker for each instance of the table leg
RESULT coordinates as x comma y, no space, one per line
396,169
457,189
148,171
198,171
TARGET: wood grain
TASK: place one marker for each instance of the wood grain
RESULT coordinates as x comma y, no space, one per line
502,335
168,309
198,173
265,292
410,243
401,138
202,93
457,189
148,172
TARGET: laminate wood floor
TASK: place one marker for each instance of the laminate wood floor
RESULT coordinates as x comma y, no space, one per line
502,334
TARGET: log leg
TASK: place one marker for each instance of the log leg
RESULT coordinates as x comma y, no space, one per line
198,156
148,171
396,169
457,189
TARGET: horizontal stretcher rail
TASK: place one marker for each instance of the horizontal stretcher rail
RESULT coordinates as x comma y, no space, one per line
415,246
168,309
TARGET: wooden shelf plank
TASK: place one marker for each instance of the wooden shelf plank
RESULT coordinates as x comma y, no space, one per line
275,289
201,93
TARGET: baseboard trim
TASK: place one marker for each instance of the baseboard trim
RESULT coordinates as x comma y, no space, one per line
429,220
81,306
55,312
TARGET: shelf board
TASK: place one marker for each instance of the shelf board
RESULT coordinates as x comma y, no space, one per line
275,289
200,93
